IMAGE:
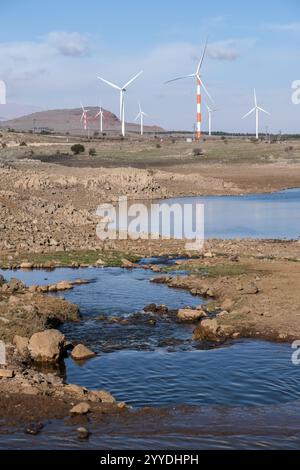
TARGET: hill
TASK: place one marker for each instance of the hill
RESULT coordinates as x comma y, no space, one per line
68,120
14,110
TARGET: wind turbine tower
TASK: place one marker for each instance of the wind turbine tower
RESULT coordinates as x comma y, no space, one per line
257,109
84,119
200,84
141,116
210,113
101,115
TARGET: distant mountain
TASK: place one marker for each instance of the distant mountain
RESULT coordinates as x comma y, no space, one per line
68,120
14,110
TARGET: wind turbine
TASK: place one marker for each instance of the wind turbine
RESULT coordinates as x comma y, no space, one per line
141,115
210,112
101,115
200,83
84,119
122,91
256,109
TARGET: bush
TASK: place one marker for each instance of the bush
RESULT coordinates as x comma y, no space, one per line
77,149
197,152
23,144
92,152
158,146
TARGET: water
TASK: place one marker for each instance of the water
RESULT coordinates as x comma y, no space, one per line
246,373
244,394
159,365
274,215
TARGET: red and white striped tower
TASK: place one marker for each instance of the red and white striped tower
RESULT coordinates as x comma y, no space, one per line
200,85
198,135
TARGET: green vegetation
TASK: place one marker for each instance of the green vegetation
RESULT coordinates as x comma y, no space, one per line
217,270
69,258
92,152
77,149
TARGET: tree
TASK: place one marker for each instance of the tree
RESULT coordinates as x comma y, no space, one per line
77,149
92,152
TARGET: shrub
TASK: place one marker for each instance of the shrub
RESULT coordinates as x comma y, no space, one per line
158,146
197,152
23,144
77,149
92,152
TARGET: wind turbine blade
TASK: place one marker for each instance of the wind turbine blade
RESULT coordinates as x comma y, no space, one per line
255,98
180,78
137,117
109,83
264,111
140,107
205,89
132,80
248,114
202,58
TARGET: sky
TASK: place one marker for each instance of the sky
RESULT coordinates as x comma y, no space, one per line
51,53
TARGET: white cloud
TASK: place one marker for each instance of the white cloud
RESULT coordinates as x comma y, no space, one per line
69,44
223,50
285,27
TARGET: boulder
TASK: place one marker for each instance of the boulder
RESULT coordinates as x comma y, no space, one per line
47,347
15,285
80,409
104,397
64,285
83,433
155,268
21,344
153,308
82,353
189,315
100,262
207,330
250,289
26,265
7,373
76,390
127,264
227,305
33,289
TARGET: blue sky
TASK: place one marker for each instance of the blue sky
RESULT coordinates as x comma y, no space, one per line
51,53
